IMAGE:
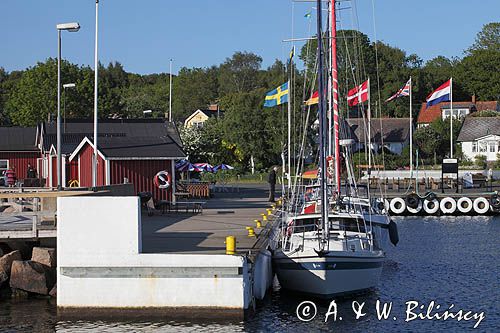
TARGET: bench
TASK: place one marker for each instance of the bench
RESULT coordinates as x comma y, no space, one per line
193,206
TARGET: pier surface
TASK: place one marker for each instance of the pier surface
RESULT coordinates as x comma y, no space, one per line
226,214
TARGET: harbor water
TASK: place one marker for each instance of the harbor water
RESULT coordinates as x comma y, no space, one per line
452,261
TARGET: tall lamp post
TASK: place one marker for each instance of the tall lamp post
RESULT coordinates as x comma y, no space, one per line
72,27
96,64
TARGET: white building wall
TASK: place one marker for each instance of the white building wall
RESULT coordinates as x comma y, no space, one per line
100,263
468,151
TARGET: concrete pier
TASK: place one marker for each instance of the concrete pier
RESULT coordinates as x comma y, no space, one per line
110,256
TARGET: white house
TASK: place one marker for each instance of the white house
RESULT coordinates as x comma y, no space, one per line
480,136
391,133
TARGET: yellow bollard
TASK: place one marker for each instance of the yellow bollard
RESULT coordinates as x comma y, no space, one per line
251,232
264,217
279,202
258,224
273,206
230,245
269,211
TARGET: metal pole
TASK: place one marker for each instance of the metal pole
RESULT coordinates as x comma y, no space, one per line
170,95
59,176
322,125
289,176
369,132
96,65
451,117
411,131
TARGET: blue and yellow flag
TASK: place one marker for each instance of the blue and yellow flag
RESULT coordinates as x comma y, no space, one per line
277,96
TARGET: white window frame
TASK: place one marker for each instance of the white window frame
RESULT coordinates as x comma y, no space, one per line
492,146
2,169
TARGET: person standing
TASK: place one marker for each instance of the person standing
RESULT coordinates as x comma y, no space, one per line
31,172
272,183
11,176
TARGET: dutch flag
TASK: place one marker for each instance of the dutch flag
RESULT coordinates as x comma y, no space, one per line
441,94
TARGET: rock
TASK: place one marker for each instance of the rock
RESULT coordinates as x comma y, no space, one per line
18,293
6,261
3,277
44,255
32,276
53,292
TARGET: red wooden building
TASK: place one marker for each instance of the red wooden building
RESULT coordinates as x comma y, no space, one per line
18,149
131,150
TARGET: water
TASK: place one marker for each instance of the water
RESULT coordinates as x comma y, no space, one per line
448,260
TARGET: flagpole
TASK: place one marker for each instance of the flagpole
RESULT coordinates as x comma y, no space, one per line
335,95
411,131
451,117
289,176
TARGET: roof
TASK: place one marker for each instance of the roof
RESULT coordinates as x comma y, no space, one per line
428,115
212,113
125,136
393,129
18,139
474,128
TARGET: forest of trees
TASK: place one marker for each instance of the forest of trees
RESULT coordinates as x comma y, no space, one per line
239,84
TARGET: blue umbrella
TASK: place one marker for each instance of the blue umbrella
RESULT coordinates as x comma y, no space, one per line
223,167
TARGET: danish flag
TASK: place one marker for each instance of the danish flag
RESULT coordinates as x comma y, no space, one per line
358,94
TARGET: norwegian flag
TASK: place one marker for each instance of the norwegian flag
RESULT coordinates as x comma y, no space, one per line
405,91
358,94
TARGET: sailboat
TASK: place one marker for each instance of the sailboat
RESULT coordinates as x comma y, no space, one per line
327,244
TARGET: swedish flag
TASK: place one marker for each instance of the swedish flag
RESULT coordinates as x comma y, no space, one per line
277,96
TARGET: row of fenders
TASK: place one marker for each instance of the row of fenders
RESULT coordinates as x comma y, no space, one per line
431,204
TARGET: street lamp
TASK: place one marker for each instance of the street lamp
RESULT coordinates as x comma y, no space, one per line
65,86
71,27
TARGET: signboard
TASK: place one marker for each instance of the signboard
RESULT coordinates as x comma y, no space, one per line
450,165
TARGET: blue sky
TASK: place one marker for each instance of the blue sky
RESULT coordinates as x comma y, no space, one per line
144,34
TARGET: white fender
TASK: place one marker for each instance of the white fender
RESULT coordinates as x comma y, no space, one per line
398,208
415,210
481,205
448,205
387,206
431,209
464,205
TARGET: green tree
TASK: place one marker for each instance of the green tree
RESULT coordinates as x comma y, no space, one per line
239,73
487,39
479,74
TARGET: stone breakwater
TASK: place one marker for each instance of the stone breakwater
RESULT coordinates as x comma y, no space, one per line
34,276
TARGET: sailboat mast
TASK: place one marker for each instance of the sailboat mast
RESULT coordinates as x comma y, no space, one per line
322,132
335,88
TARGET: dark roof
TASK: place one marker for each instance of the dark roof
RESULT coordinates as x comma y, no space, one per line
477,127
487,105
120,133
137,147
18,139
393,129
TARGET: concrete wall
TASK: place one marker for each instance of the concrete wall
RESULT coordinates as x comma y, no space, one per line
100,264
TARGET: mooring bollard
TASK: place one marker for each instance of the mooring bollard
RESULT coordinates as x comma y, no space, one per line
251,232
264,217
258,224
230,245
269,211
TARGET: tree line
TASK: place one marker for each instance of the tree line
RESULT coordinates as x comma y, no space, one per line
247,130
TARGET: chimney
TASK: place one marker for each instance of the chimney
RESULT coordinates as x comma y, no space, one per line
213,107
474,99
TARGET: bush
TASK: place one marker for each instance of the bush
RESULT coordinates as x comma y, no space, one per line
480,161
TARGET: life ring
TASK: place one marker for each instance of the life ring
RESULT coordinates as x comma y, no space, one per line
387,205
431,206
448,205
412,200
162,179
495,201
398,205
464,205
415,210
329,166
481,205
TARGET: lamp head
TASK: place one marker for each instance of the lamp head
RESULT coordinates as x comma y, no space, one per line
72,26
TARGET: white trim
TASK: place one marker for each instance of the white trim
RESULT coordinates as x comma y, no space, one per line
52,147
63,167
188,119
50,171
80,146
107,168
79,170
172,167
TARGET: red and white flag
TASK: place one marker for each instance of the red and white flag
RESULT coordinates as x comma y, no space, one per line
358,94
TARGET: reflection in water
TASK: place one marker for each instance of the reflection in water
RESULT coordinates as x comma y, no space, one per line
448,260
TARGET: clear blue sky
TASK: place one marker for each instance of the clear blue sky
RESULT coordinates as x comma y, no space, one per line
144,34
